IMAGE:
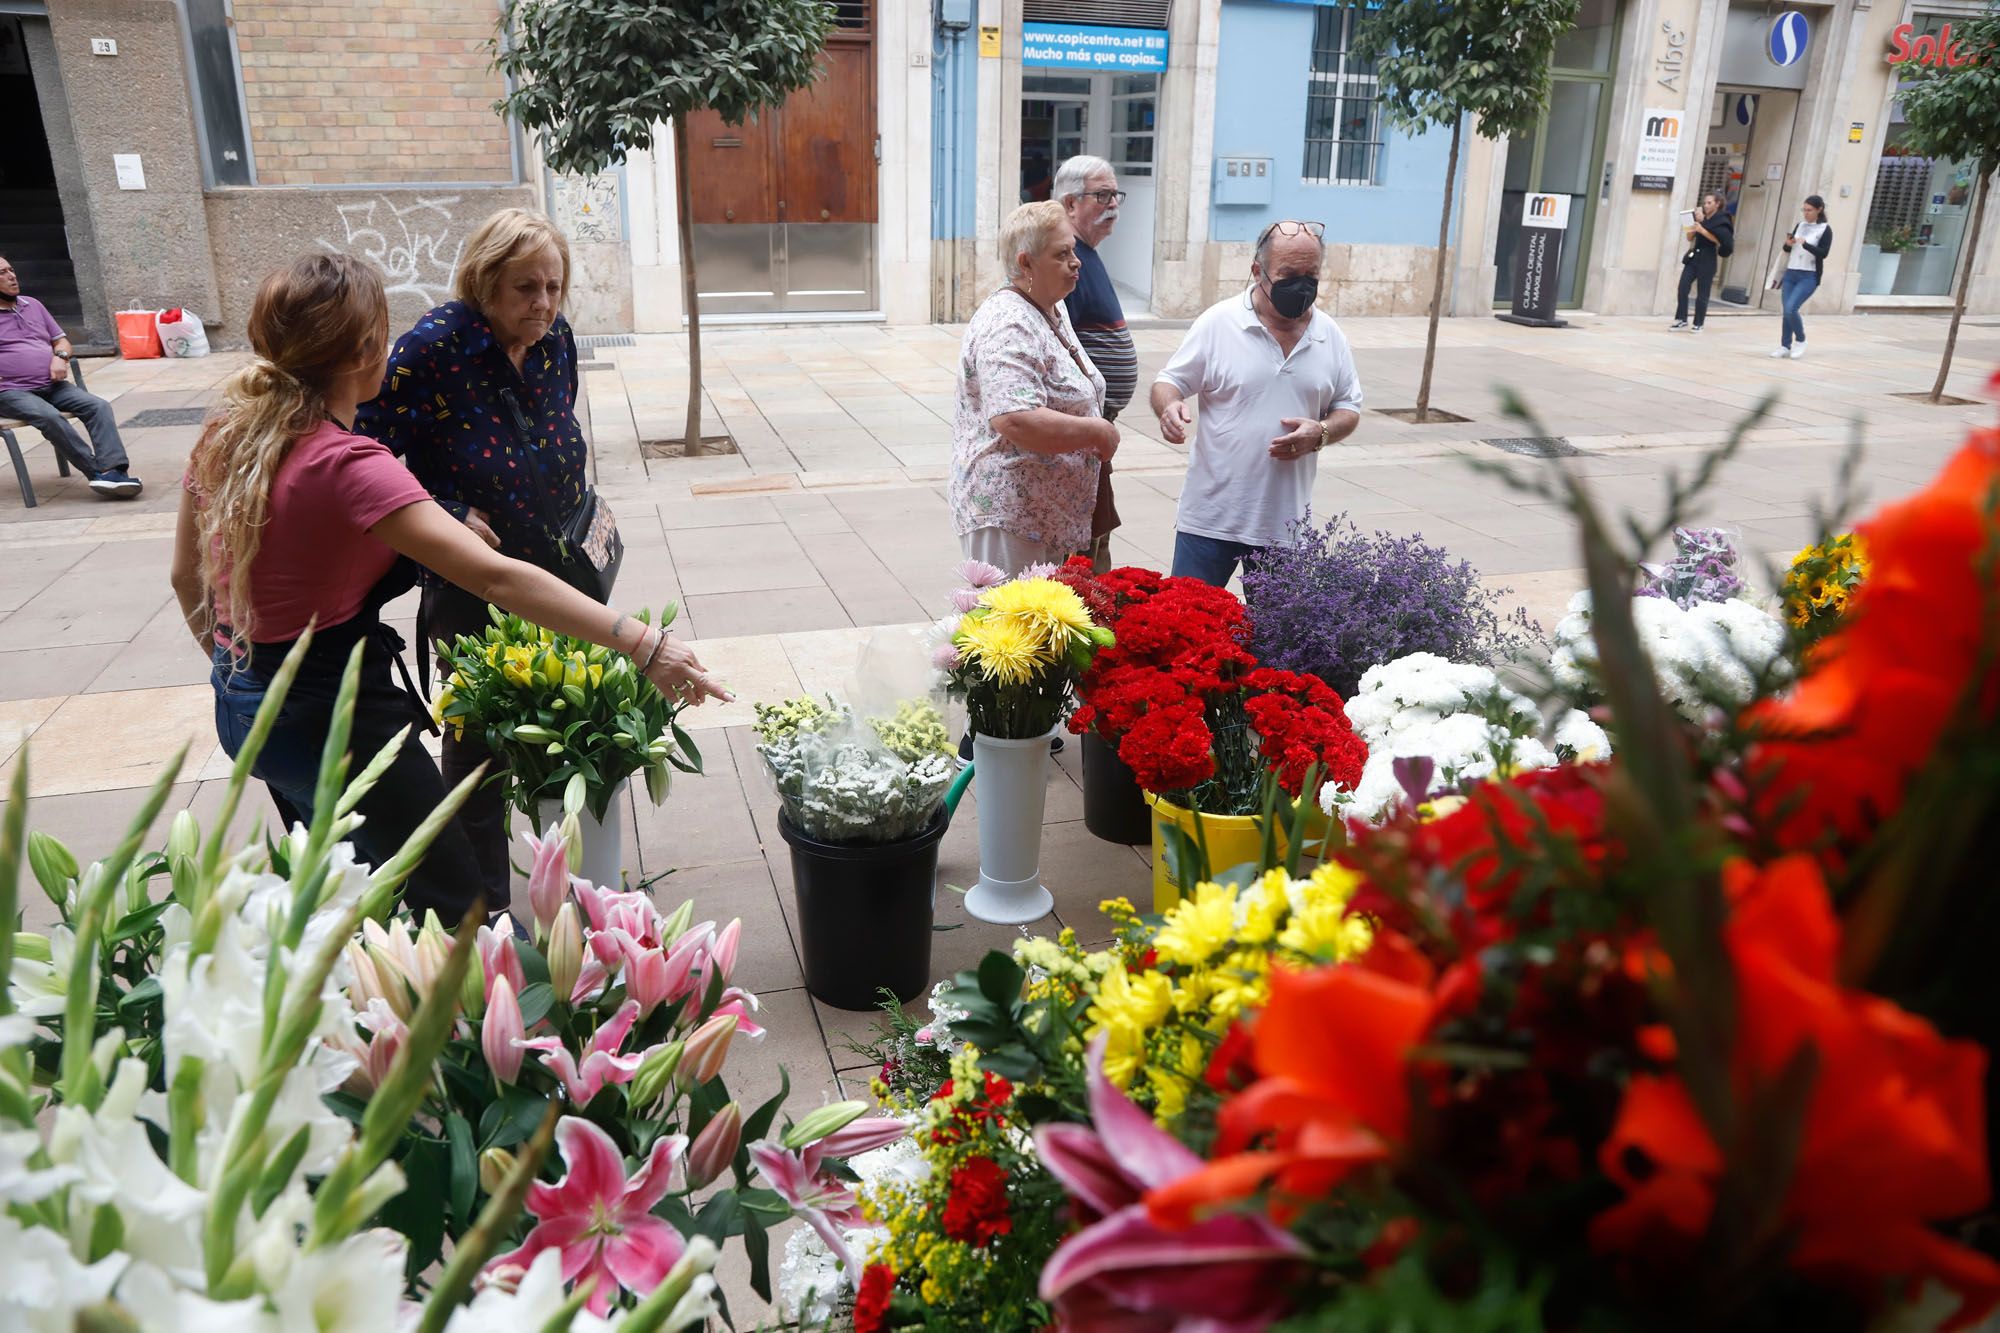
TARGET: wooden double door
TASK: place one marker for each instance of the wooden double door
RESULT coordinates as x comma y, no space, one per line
785,206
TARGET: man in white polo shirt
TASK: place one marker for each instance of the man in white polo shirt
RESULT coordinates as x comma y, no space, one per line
1273,382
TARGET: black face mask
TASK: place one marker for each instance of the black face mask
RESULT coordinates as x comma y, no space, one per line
1292,297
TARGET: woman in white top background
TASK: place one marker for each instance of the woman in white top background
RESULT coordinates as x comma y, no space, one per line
1805,262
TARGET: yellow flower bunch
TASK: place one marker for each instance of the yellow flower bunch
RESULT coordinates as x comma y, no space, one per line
1821,582
1024,628
1173,993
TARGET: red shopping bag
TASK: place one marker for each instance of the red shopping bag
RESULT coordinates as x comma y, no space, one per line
138,334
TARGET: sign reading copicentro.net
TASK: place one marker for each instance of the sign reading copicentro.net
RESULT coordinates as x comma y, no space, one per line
1085,46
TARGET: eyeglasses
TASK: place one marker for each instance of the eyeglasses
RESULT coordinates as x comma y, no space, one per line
1316,230
1106,197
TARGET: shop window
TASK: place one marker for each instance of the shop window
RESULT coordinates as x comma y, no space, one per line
1919,212
1589,45
1343,116
1134,104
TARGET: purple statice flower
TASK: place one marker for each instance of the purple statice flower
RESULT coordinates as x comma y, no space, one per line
979,574
1338,601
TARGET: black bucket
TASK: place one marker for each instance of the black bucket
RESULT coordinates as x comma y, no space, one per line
1114,805
865,912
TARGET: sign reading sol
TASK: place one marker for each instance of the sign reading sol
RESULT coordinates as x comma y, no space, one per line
1925,49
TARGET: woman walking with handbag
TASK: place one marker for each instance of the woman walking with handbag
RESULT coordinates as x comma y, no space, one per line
480,401
288,520
1804,264
1711,238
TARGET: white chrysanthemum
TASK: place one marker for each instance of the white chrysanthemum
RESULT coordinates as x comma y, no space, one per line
1581,736
1715,653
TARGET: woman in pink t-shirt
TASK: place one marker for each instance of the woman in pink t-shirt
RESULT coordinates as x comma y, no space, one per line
288,519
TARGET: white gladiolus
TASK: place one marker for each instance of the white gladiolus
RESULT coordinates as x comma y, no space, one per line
526,1309
46,1287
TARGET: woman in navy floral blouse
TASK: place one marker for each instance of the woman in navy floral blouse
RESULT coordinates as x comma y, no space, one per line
481,396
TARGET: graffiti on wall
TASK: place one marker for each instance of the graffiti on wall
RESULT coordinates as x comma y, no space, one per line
588,208
411,242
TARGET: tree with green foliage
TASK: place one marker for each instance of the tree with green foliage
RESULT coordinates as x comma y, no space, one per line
1440,61
593,77
1953,111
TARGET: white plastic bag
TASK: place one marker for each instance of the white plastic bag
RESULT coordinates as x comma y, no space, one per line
181,333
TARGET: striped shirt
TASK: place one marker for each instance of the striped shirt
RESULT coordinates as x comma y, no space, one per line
1099,322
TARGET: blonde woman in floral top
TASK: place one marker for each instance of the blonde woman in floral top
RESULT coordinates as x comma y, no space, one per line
1030,431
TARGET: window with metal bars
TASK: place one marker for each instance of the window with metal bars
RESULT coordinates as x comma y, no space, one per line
1343,118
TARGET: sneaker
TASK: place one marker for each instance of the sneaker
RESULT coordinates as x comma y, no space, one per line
117,484
1695,329
965,749
1798,350
1055,745
1677,324
1781,353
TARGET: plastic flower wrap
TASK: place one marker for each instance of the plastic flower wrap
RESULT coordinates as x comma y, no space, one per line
1711,655
845,779
1460,718
560,708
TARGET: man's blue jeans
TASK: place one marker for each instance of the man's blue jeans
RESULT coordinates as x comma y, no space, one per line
1799,285
1210,559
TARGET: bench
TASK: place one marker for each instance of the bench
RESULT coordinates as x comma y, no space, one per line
8,425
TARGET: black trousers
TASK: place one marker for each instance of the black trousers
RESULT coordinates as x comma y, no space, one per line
1697,271
448,613
447,881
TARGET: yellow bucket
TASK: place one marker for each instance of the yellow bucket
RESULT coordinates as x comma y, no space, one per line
1232,840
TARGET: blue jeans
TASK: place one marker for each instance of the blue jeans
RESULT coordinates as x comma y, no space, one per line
1210,559
1799,285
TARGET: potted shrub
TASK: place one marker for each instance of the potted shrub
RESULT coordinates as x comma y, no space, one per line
572,720
1882,256
1015,657
862,806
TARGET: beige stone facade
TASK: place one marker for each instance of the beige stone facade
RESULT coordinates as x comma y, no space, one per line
364,93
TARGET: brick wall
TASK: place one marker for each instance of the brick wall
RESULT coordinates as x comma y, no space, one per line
358,92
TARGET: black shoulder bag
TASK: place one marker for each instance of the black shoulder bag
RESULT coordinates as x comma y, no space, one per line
586,545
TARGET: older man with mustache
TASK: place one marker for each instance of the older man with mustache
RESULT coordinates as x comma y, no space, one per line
1088,190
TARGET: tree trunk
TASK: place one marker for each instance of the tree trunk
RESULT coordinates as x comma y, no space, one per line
689,302
1964,278
1437,278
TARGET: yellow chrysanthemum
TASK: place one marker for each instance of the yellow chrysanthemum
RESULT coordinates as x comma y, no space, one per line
1052,607
1127,1007
1198,926
1000,648
1264,906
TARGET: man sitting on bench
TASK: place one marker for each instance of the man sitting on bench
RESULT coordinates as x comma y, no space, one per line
35,388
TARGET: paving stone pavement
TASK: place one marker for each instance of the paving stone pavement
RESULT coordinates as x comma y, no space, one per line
830,528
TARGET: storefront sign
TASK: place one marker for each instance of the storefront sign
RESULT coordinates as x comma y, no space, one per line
1786,42
1659,149
1083,46
1538,261
1924,49
1671,63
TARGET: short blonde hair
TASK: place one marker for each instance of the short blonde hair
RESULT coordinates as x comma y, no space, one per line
1027,231
510,234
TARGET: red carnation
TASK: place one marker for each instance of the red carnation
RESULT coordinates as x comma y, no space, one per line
977,1209
871,1303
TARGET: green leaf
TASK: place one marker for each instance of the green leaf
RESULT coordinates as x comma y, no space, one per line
758,1123
512,1118
1001,979
464,1167
536,1001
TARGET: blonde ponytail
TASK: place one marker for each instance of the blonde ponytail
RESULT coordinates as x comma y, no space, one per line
309,323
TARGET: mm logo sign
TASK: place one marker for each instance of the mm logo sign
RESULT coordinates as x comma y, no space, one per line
1545,210
1663,127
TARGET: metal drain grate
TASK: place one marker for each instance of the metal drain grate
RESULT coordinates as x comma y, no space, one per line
1536,446
596,340
166,416
585,364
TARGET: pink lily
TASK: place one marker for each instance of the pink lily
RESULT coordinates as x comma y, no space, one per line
715,1147
826,1204
386,1035
706,1049
855,1138
602,1064
498,958
548,877
722,953
501,1031
1224,1274
600,1221
740,1004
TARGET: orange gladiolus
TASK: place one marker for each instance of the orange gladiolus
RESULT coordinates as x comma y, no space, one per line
1894,1130
1883,685
1332,1048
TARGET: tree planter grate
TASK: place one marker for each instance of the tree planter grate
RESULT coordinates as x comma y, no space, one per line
1536,446
592,342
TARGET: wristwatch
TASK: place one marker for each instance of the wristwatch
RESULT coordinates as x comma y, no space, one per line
65,356
1325,434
